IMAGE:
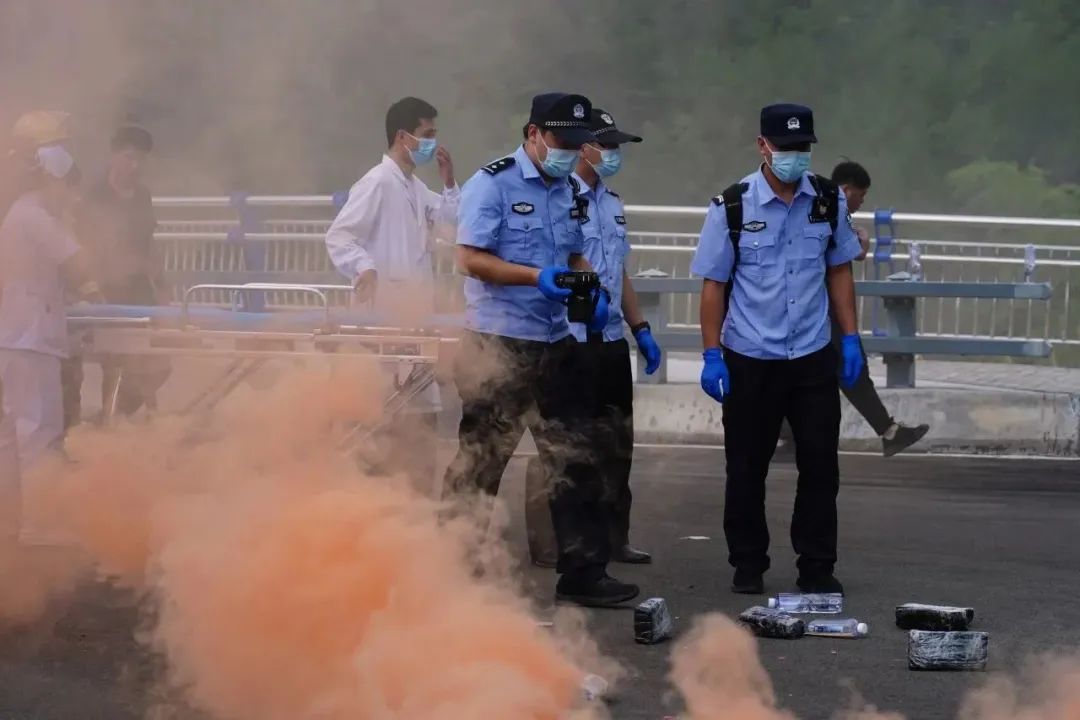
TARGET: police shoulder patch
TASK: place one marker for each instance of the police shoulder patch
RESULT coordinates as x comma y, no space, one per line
499,165
620,219
754,226
522,208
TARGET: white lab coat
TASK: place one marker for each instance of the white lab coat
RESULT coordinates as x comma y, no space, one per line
388,225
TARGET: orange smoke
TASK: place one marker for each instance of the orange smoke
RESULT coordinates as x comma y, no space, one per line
716,669
720,677
288,585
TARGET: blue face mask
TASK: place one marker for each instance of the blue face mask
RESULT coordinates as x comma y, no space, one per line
789,165
558,163
424,151
610,162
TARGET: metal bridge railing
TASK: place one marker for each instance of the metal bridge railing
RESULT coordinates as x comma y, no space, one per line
285,234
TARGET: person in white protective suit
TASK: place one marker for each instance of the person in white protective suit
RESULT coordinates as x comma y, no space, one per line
30,131
39,259
383,242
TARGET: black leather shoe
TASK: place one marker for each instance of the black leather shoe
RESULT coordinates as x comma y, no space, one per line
904,438
605,592
630,554
748,583
820,584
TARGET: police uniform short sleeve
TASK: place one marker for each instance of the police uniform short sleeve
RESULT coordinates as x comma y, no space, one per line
714,256
845,246
480,214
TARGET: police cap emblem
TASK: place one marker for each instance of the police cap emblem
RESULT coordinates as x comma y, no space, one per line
579,111
607,118
793,123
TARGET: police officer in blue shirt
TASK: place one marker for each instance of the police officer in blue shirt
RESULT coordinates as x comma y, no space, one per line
606,248
519,232
769,286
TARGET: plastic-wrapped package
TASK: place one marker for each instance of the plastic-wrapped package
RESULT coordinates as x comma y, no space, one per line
652,622
769,623
935,650
916,616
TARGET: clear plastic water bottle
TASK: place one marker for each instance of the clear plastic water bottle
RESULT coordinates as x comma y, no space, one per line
594,688
808,603
838,628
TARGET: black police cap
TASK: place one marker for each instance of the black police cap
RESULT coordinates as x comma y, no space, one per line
565,115
606,132
787,124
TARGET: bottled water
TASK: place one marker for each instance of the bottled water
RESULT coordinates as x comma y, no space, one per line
931,650
840,628
593,688
808,603
772,623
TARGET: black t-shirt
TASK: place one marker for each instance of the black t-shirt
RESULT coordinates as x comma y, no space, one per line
118,233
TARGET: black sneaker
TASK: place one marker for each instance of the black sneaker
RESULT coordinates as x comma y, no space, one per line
630,555
905,437
820,584
605,592
748,583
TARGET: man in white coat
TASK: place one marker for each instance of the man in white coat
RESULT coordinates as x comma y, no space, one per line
383,241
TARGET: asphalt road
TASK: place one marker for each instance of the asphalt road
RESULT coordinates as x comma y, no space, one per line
999,535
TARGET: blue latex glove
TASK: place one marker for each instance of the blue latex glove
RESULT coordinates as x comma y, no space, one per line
715,379
648,349
851,351
600,314
546,283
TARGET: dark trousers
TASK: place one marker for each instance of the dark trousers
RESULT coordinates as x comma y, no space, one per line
140,378
764,393
614,438
507,385
863,395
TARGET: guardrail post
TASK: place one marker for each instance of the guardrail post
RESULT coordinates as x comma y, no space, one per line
884,233
656,315
254,253
1029,263
901,322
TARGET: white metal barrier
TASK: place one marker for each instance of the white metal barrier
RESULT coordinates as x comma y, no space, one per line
218,234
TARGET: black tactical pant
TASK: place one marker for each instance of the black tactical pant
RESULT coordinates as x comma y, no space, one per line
614,439
507,385
764,393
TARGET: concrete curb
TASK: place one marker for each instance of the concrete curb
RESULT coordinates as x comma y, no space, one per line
961,420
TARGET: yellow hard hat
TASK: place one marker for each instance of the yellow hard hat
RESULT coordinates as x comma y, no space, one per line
40,127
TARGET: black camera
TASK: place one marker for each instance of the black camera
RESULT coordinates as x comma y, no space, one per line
583,296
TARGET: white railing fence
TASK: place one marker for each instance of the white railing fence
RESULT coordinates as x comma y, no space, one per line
285,234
